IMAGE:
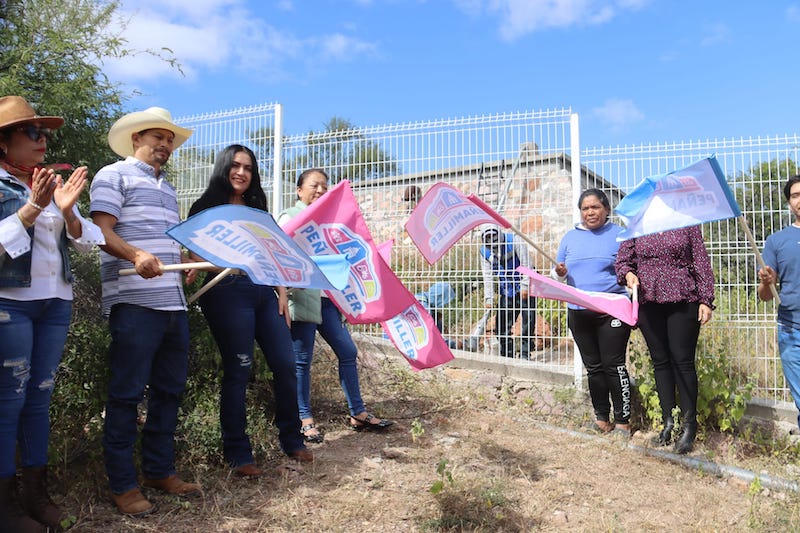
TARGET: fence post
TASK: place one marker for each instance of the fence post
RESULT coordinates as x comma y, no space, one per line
277,165
575,157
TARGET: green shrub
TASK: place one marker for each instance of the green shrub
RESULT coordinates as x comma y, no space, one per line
721,400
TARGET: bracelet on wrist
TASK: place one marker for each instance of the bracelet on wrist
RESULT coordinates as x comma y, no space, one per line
35,205
25,223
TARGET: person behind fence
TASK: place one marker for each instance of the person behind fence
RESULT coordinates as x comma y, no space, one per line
313,312
501,254
676,294
782,266
39,220
134,204
585,260
434,300
239,311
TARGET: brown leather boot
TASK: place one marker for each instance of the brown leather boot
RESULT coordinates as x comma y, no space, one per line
133,503
36,501
12,518
173,485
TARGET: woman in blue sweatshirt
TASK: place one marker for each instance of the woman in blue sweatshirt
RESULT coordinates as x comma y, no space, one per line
585,259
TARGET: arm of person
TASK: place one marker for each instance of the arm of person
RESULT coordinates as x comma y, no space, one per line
559,271
66,195
147,265
524,255
766,277
14,238
283,305
626,264
701,267
488,283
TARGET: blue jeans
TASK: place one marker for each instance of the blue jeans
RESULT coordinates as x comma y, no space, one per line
336,334
148,348
32,337
789,346
239,312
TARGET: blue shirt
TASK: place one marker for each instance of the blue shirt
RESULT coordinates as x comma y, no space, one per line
589,256
782,254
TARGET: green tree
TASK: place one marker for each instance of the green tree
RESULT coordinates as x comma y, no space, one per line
51,53
759,193
345,153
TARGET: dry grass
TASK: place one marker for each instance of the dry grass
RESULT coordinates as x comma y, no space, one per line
502,463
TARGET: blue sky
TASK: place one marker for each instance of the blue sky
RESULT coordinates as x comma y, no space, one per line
636,71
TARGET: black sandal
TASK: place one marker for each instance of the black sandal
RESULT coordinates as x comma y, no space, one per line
316,438
356,424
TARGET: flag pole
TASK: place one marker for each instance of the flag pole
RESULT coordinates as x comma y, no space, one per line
203,265
759,259
526,239
202,290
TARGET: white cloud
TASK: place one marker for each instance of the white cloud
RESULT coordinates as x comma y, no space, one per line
716,34
520,17
618,114
208,35
343,48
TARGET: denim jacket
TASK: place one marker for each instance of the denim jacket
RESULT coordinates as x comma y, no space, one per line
17,272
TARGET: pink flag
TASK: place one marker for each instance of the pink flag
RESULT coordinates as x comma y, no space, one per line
443,216
334,225
616,305
414,333
385,250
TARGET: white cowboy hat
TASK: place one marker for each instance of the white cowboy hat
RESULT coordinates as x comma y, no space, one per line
119,136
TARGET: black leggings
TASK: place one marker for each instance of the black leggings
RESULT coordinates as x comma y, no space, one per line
602,340
671,332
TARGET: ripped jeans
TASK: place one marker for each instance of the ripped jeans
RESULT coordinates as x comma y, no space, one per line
32,337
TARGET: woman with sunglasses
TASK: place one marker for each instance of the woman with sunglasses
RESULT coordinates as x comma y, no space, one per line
38,220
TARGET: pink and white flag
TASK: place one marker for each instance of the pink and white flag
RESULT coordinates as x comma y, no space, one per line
385,251
616,305
334,224
443,216
414,334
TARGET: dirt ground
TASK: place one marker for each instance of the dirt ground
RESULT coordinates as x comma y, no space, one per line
506,456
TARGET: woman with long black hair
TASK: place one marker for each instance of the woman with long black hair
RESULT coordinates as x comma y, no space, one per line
239,311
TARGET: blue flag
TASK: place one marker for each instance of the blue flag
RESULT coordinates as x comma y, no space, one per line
693,195
235,236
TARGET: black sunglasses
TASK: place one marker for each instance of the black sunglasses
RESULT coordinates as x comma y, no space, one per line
35,133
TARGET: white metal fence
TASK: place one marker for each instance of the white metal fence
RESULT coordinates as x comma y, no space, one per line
528,166
743,329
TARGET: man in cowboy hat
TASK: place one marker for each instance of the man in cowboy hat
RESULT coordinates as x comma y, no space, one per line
134,204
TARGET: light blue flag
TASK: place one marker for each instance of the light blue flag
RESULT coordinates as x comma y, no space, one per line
235,236
685,197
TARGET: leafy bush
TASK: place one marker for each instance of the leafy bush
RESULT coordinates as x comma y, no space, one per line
721,401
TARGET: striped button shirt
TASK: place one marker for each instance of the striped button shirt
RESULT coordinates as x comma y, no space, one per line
145,206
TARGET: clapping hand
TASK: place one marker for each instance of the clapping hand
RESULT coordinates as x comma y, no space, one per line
43,184
67,193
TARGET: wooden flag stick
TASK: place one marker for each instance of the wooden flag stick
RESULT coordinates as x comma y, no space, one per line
759,259
526,239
